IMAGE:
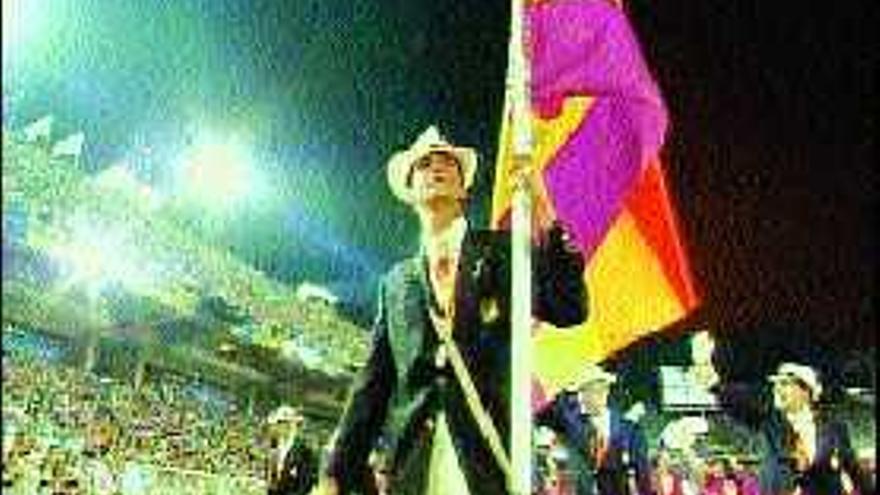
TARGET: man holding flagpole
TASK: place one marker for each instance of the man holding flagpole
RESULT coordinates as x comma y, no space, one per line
607,452
436,386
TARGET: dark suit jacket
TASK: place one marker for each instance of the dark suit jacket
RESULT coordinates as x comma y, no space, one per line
778,471
834,453
626,459
299,472
400,390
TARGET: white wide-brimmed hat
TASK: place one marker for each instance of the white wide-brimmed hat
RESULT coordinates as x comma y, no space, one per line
803,374
593,374
401,162
287,414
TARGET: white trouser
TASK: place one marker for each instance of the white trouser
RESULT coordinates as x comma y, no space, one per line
444,475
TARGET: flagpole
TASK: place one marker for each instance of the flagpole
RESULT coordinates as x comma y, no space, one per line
521,256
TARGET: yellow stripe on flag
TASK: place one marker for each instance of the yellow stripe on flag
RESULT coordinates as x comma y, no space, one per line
549,136
629,298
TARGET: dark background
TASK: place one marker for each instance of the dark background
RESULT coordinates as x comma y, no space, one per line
769,154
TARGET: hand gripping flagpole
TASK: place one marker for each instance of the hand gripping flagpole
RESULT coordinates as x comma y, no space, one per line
521,256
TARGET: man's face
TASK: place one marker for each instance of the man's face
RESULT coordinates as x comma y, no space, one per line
293,426
438,175
789,395
594,397
382,478
284,429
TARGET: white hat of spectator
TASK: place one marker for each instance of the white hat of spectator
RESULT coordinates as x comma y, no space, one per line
802,374
681,434
400,165
287,414
544,437
593,374
559,453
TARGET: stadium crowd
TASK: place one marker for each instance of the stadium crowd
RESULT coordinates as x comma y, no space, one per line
68,431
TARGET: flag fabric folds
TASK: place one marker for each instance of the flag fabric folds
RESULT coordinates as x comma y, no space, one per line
598,122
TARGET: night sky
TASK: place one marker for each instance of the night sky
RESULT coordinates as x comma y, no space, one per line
769,154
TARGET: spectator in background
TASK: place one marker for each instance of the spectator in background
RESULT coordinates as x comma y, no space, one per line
543,472
680,436
668,479
607,453
134,479
380,465
726,476
805,452
20,462
99,465
868,463
293,465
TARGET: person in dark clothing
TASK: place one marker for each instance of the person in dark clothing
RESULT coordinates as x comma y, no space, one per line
804,451
607,453
452,297
292,467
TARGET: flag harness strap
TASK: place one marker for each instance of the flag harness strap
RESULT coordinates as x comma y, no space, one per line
450,352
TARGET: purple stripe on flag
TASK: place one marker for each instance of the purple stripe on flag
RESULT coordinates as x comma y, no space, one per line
587,48
591,174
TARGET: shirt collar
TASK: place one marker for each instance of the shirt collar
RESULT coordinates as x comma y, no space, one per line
803,423
287,442
603,422
802,419
448,242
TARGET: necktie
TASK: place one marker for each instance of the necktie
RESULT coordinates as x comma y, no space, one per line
597,446
277,464
600,448
801,453
442,274
442,281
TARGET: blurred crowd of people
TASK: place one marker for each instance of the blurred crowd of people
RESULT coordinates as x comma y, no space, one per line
68,431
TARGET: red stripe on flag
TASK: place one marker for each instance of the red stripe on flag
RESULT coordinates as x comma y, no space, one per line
652,211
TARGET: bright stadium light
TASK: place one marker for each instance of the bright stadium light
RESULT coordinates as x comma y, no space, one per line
26,22
216,173
19,20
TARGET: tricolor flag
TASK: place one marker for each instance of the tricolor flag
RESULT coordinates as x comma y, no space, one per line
598,123
69,146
